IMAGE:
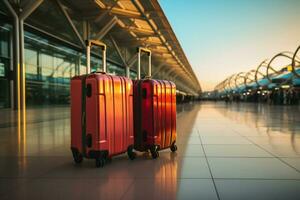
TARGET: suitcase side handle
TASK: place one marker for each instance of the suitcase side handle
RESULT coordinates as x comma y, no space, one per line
140,50
89,44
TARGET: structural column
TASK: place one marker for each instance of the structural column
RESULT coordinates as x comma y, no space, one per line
18,57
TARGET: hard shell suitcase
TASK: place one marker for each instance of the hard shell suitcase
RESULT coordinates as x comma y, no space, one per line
101,115
154,113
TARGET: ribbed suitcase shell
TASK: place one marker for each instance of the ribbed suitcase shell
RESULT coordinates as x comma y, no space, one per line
108,115
154,114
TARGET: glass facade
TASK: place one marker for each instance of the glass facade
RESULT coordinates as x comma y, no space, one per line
5,62
50,66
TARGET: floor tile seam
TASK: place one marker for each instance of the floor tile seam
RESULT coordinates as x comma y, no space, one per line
230,144
239,157
262,179
262,157
231,135
215,178
220,136
275,156
209,168
225,144
254,178
131,185
273,123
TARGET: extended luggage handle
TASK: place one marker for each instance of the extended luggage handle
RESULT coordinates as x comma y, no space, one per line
140,50
89,44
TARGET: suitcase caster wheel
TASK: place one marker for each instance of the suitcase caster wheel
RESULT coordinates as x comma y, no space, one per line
100,162
130,153
154,152
78,158
173,148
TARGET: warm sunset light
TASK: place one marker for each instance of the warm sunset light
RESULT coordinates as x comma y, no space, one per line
149,100
225,37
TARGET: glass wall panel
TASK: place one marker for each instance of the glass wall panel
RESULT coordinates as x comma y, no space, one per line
96,64
5,59
116,70
133,75
50,66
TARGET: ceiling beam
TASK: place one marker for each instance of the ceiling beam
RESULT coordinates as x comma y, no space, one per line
106,28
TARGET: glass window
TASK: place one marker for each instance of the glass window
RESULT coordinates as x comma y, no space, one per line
50,66
4,66
31,64
133,75
58,63
46,62
2,69
4,42
113,69
96,64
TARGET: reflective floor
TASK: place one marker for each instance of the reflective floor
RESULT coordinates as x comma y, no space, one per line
225,151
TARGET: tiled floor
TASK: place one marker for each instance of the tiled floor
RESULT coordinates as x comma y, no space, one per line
225,151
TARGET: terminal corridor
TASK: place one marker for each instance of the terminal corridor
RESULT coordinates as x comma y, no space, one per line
225,151
149,99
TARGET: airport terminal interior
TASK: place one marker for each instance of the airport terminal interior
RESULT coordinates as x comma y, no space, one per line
240,140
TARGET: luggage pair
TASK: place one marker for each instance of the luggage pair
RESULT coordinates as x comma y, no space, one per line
111,115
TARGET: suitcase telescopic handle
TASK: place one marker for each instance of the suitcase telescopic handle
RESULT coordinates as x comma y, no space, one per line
141,50
89,44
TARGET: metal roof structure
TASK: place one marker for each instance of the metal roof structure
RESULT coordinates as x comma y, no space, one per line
265,76
146,24
126,25
123,25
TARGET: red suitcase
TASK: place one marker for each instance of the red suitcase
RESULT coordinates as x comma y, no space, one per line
101,115
154,113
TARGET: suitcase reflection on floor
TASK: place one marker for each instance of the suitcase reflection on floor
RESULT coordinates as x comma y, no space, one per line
159,177
138,179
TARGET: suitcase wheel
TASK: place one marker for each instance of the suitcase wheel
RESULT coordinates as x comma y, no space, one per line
130,153
78,158
100,162
154,152
173,147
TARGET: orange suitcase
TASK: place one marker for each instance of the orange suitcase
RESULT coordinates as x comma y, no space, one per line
154,113
101,115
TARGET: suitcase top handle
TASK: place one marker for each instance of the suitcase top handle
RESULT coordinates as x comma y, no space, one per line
148,52
89,44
